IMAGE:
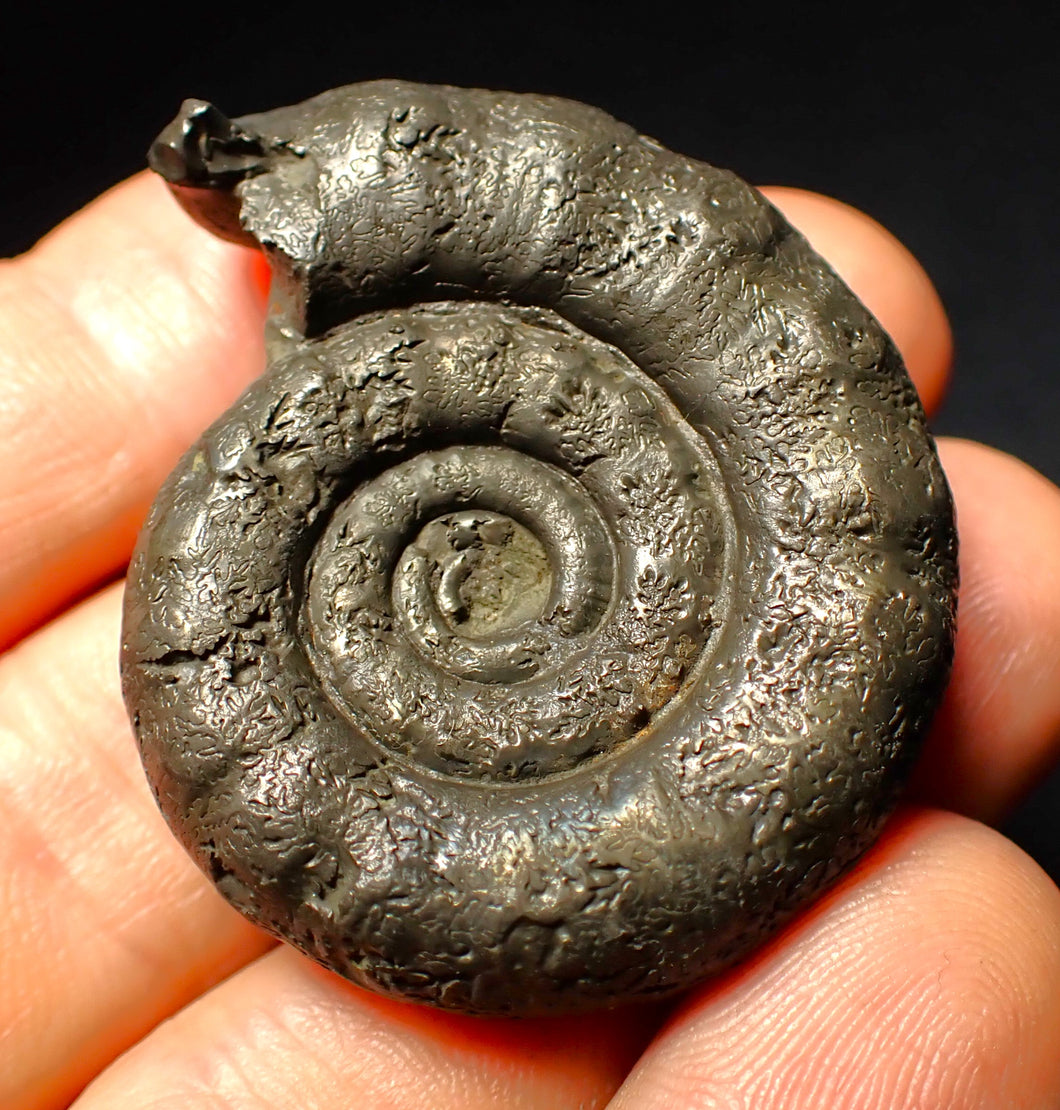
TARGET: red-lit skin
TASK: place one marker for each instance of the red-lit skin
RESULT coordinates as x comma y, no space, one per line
927,978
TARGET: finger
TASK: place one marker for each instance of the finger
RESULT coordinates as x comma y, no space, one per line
126,331
105,924
999,726
929,978
885,276
284,1033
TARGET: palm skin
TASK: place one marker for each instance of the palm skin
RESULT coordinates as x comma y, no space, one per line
928,977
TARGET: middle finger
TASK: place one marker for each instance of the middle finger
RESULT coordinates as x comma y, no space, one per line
284,1033
106,926
930,977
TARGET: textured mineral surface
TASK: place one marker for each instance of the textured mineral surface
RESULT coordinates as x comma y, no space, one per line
564,605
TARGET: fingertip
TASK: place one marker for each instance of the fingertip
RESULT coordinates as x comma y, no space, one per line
127,329
887,278
138,224
999,725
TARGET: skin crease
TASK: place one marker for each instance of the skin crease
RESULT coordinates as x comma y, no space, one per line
927,978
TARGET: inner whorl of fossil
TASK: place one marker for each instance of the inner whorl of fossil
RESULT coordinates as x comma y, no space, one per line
489,573
525,571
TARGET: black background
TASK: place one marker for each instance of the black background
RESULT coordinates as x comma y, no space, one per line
942,128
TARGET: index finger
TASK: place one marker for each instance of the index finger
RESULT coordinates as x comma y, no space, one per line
125,332
129,329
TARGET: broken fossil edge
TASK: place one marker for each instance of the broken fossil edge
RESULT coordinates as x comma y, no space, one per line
530,366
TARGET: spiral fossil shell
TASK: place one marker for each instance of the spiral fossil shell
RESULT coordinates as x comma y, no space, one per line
564,605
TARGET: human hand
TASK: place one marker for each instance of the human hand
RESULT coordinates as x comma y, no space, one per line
928,977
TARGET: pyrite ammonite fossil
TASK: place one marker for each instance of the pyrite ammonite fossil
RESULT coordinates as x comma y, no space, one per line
563,606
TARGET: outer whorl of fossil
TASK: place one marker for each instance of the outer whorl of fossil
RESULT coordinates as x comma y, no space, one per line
563,606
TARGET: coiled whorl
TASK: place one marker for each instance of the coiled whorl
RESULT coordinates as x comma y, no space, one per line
564,605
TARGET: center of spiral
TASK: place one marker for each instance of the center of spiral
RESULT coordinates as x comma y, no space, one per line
524,569
489,574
